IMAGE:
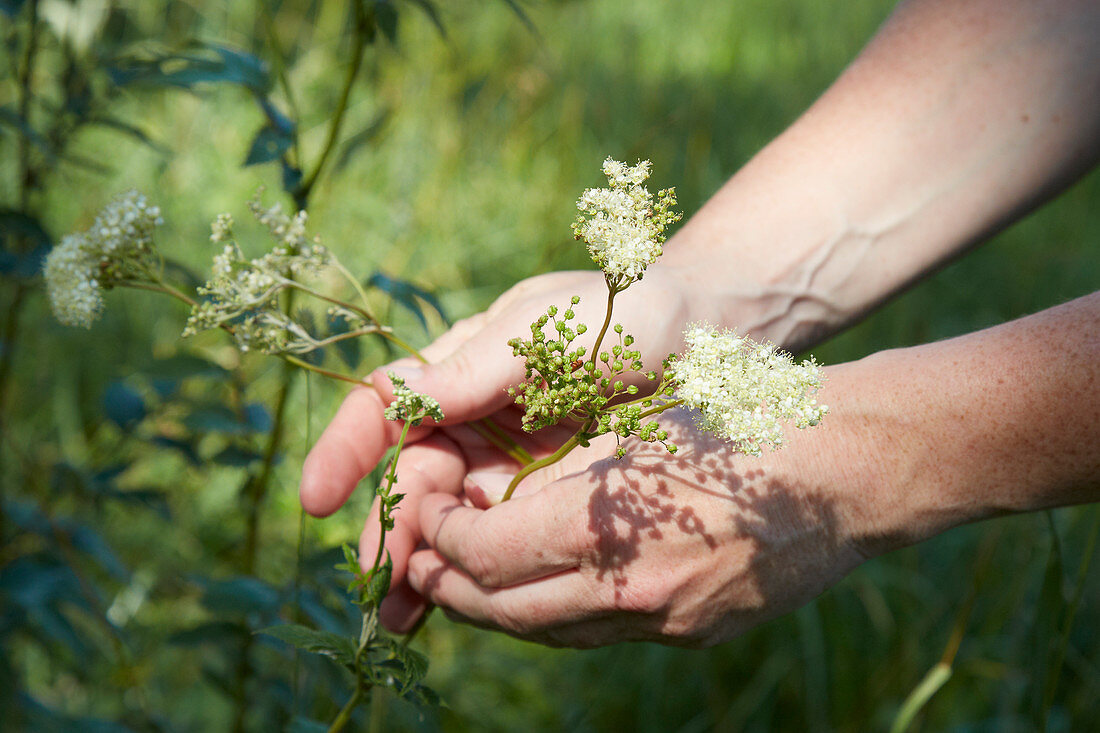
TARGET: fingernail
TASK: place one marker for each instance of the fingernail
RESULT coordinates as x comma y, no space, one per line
485,488
409,371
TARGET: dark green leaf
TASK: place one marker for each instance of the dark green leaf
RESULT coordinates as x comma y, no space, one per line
242,594
310,604
218,64
88,541
123,405
152,499
18,224
361,138
186,447
186,366
257,417
269,144
238,457
415,665
11,8
334,646
349,350
220,419
292,176
385,14
408,295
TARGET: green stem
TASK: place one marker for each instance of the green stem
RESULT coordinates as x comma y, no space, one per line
549,460
362,30
26,94
611,293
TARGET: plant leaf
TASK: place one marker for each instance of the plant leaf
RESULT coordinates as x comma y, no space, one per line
325,643
270,143
407,295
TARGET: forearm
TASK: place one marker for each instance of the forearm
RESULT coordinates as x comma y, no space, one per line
956,119
1002,420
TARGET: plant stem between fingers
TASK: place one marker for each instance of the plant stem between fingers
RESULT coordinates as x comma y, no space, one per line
549,460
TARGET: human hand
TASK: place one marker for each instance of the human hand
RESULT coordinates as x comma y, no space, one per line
690,550
469,369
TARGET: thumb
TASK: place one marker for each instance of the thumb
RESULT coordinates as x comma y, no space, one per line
469,373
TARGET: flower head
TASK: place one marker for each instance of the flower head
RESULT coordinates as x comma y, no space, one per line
412,407
744,390
622,224
244,294
117,248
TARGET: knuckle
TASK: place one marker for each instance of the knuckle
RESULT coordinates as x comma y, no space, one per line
641,598
480,562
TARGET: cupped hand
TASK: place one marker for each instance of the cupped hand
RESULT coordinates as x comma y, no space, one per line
469,370
689,550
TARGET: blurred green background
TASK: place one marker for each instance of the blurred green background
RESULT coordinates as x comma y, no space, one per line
475,144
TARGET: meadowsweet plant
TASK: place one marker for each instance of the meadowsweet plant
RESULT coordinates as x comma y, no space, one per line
741,390
252,300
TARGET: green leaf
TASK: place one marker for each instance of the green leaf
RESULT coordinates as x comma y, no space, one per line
407,295
385,14
349,350
379,584
135,132
237,457
325,643
123,405
270,143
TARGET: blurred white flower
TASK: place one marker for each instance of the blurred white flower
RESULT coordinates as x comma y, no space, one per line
622,225
745,390
116,249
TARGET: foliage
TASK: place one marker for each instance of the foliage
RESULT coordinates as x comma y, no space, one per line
129,463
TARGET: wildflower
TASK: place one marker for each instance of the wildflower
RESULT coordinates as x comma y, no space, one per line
412,407
244,294
117,248
622,225
743,390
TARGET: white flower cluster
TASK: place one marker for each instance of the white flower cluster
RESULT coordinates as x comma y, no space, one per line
410,406
244,294
622,225
744,390
117,248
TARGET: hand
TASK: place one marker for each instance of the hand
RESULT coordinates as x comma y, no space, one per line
471,367
689,550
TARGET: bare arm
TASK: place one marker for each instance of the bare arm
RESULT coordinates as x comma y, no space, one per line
958,118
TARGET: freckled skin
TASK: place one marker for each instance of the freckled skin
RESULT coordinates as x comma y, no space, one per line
958,118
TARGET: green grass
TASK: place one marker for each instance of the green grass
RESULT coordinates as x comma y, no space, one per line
469,187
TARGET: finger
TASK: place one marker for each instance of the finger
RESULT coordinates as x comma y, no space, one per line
402,608
349,448
432,465
524,609
524,538
469,381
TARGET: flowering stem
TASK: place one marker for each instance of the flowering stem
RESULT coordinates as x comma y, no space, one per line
549,460
612,291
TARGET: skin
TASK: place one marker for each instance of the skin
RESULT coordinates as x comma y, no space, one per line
957,118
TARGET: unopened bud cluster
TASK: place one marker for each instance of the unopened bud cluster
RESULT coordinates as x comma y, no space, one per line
409,406
116,249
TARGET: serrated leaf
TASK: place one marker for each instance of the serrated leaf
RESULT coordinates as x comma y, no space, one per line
269,144
407,295
325,643
379,584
